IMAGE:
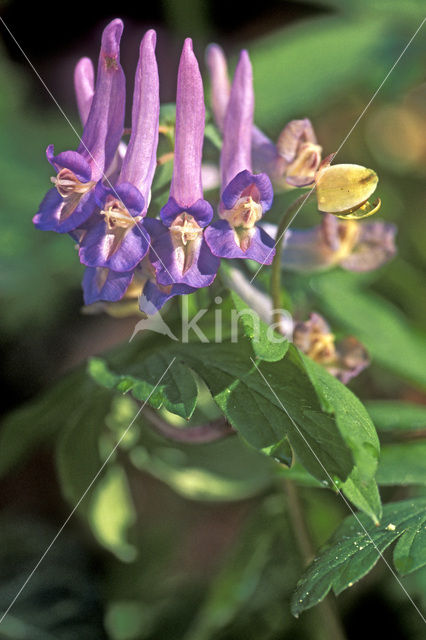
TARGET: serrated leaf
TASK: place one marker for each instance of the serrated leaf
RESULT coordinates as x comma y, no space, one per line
264,413
355,548
358,431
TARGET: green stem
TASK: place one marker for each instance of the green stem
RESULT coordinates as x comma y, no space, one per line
331,627
286,221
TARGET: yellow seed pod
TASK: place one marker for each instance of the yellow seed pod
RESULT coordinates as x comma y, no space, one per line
344,188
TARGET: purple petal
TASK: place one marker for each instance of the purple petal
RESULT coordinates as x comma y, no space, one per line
352,359
307,250
104,126
186,187
56,214
220,86
202,212
84,85
71,160
300,181
169,269
262,189
375,247
293,134
141,157
264,153
129,195
153,297
78,234
103,284
237,132
117,249
220,237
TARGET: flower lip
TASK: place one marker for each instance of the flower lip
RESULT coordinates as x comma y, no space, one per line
185,229
244,214
104,284
123,198
187,236
245,183
67,184
201,211
71,160
117,215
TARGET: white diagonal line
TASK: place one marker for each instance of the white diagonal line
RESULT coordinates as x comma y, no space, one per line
350,132
104,176
95,477
340,493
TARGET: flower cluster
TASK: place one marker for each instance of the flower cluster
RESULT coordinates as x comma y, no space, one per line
101,192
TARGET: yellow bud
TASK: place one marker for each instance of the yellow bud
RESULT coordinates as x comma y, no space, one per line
342,189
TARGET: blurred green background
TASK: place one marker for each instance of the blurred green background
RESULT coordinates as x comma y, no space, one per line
177,546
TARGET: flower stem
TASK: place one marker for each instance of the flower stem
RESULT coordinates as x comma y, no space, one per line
286,221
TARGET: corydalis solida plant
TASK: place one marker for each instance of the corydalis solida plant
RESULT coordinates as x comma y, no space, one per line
101,192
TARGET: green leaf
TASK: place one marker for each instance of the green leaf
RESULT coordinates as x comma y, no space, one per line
393,415
355,548
410,550
402,464
225,470
380,326
112,513
310,51
359,433
78,455
266,343
266,412
177,391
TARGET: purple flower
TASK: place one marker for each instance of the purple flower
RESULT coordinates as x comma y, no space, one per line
344,360
118,240
72,201
353,245
103,284
179,252
296,156
84,86
153,295
245,196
